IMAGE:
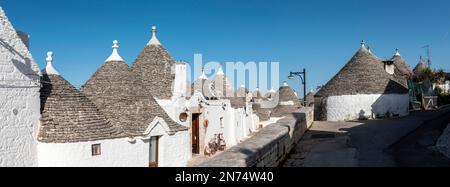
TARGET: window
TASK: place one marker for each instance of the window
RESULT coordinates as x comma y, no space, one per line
96,149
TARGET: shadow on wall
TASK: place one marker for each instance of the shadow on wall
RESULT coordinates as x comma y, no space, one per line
45,93
390,103
362,115
320,111
25,68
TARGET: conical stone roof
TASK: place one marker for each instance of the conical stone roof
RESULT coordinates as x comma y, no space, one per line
154,67
420,66
401,68
122,98
69,116
288,102
222,85
363,74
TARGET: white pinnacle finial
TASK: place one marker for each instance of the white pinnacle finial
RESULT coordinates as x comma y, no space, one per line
421,59
272,90
257,89
397,52
220,71
242,86
363,45
285,84
49,69
154,40
49,57
203,76
115,54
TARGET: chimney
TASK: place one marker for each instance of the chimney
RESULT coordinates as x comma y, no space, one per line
389,66
25,38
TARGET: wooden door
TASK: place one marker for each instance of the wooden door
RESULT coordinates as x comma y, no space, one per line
154,152
196,134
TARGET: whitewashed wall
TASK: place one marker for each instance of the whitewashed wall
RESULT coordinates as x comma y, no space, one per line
115,153
237,123
19,99
180,82
351,107
213,113
230,127
445,87
173,152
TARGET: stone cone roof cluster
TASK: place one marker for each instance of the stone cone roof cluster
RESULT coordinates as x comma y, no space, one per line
69,116
115,102
119,94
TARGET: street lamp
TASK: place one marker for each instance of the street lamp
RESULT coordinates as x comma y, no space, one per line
302,76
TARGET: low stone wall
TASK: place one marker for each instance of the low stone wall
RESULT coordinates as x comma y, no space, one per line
269,146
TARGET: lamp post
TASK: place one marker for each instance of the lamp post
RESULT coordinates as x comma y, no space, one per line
302,76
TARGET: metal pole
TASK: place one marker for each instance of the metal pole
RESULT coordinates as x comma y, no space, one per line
304,86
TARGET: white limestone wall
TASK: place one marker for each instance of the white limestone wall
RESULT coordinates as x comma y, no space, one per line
180,82
19,119
252,121
237,123
114,153
352,107
445,87
230,127
240,125
19,99
168,106
173,152
213,113
174,108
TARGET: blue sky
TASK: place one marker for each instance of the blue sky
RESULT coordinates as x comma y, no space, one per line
318,35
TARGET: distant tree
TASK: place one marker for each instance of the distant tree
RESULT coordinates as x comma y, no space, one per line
439,77
427,74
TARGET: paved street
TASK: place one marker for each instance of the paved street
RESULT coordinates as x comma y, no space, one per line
355,144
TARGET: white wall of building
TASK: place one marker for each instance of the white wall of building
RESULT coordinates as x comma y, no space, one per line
180,82
19,119
213,113
236,125
352,107
173,152
176,150
19,99
445,87
114,153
